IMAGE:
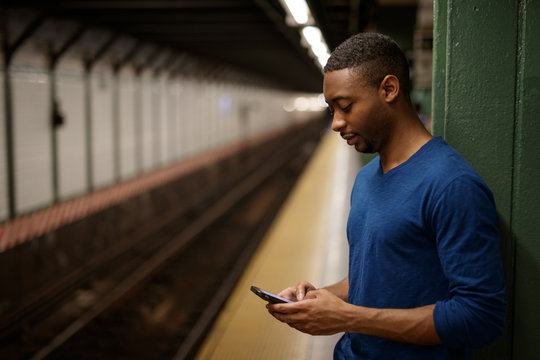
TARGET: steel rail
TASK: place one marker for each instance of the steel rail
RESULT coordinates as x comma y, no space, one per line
183,239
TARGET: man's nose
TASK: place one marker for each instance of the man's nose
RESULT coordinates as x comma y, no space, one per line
337,123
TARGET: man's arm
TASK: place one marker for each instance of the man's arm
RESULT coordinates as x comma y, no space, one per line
323,313
406,325
465,224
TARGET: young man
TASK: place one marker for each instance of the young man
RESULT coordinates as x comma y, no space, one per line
425,275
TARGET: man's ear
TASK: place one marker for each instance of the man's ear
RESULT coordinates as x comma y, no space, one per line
389,88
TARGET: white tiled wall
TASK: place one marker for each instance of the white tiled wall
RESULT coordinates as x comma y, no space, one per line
147,124
71,136
178,117
101,85
162,89
32,134
172,120
127,123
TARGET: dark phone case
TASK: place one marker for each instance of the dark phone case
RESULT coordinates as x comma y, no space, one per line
265,296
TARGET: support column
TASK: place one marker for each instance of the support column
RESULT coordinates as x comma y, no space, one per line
54,122
486,105
439,66
474,99
526,186
10,143
88,64
9,50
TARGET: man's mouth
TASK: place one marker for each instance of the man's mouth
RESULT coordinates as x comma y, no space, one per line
350,138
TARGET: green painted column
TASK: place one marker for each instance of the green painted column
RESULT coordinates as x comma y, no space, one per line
439,67
486,101
473,107
526,190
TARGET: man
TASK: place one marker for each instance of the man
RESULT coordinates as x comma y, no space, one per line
425,275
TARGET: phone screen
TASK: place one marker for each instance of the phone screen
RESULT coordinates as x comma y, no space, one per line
268,296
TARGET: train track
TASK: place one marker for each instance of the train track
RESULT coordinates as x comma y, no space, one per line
157,298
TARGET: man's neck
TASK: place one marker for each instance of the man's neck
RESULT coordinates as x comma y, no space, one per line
406,138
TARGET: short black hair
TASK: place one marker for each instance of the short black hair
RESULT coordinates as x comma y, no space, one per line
374,56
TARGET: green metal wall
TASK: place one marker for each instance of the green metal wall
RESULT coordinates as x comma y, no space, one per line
486,104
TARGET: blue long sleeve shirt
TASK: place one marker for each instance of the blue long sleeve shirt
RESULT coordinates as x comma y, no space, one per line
425,233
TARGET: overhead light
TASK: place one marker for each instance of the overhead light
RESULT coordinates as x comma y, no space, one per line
299,15
298,9
301,103
313,36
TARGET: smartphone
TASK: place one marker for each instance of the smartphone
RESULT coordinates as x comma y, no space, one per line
268,296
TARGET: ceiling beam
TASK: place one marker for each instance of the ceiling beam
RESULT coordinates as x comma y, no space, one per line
134,4
206,29
171,17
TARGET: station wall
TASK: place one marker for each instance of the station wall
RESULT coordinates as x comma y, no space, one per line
101,98
117,125
32,141
71,136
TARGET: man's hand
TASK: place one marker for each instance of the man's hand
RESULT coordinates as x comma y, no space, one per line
325,312
320,313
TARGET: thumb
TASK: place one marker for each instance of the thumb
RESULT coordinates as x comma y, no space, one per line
300,293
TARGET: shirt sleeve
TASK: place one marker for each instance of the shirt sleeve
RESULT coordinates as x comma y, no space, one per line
465,224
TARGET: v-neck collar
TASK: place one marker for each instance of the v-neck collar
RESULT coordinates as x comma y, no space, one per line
410,160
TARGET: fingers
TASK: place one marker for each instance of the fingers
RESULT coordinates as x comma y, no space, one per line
289,293
312,294
297,292
315,315
282,308
300,321
300,292
286,312
302,289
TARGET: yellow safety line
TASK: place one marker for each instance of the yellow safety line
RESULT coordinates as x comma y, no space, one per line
293,249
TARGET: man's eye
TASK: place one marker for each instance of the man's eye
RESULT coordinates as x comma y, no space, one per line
346,108
331,112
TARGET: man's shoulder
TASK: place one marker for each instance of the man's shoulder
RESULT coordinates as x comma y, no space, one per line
446,162
448,169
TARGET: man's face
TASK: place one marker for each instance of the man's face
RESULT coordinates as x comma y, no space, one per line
358,111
